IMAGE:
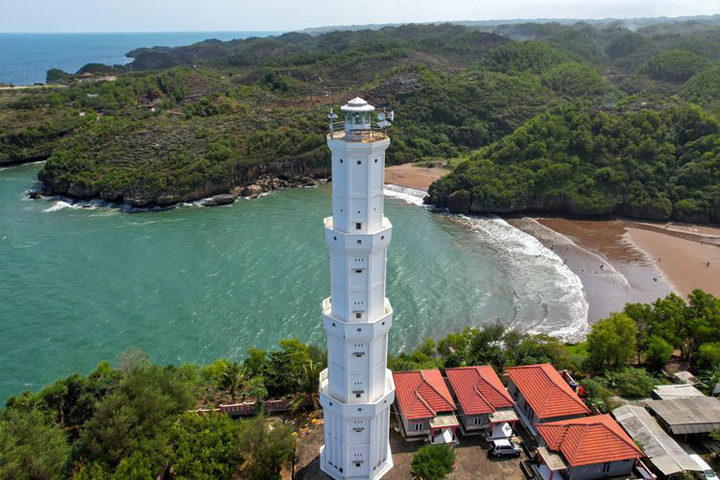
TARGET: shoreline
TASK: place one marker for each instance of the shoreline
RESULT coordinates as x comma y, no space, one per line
619,260
413,176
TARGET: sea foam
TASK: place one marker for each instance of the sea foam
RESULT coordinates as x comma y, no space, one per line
410,195
550,296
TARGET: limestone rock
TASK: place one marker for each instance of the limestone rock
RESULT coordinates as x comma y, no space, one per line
222,199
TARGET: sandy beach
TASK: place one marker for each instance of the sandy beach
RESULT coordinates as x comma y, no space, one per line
413,176
618,260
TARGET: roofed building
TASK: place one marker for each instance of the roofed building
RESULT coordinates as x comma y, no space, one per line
665,455
683,416
586,448
541,395
425,406
684,390
484,402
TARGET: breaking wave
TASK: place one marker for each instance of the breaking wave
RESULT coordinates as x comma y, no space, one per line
412,196
549,296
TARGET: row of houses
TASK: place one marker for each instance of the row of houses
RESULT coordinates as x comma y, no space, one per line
572,443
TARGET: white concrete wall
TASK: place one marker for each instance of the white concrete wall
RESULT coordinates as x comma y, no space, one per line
591,472
358,391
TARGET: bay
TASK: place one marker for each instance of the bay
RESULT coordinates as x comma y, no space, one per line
194,284
26,57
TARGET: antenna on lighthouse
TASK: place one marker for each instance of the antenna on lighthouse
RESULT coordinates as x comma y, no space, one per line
332,117
384,119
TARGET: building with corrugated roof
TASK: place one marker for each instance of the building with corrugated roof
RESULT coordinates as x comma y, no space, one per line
684,390
425,406
685,416
665,456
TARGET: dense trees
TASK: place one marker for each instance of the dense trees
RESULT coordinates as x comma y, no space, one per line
31,446
222,109
612,341
656,163
133,422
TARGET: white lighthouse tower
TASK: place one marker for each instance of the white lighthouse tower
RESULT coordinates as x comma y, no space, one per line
356,390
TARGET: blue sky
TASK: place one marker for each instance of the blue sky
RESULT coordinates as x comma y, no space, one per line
237,15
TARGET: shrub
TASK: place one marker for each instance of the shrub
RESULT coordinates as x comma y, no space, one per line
433,462
631,382
658,351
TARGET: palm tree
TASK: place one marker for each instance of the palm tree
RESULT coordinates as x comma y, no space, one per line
309,385
232,378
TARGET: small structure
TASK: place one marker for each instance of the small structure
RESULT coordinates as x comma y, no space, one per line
667,392
484,403
716,390
585,448
665,455
541,395
683,416
425,406
686,377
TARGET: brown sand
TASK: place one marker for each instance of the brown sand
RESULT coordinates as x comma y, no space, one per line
413,176
684,262
648,254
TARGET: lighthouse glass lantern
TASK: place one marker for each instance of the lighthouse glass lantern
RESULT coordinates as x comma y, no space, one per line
357,389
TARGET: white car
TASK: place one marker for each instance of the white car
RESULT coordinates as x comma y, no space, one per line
504,447
707,472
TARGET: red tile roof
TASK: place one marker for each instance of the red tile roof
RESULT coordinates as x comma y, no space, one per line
422,394
588,440
545,390
479,389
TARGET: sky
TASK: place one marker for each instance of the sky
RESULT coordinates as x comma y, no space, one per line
286,15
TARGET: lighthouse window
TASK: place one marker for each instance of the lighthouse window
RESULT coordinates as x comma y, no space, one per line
376,160
341,160
359,270
358,226
359,162
358,315
359,242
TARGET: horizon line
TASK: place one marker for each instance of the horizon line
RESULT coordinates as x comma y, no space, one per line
516,19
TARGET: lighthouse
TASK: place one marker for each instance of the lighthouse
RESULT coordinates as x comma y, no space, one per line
357,389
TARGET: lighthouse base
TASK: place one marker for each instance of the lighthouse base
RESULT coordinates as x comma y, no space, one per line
334,473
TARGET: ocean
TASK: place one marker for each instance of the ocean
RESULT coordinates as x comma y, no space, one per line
26,57
80,284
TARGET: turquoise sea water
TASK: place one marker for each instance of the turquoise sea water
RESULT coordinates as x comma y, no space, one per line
78,286
26,57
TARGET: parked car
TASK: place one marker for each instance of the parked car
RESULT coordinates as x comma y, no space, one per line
707,472
504,447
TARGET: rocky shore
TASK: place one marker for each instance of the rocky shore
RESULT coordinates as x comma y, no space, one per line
247,181
263,184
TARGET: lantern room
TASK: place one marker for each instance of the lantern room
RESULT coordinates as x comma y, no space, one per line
358,115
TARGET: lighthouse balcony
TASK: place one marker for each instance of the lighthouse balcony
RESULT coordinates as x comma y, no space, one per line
358,241
361,133
358,410
329,225
354,329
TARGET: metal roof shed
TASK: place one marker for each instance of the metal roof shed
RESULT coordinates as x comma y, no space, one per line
667,392
682,416
663,452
